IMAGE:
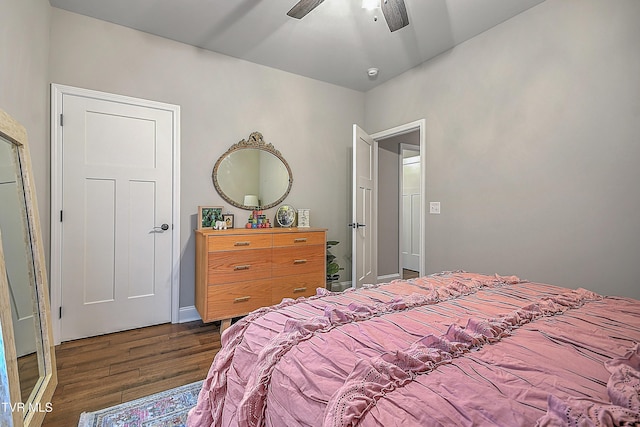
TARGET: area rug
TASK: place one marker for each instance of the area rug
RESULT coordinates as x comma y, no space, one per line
165,409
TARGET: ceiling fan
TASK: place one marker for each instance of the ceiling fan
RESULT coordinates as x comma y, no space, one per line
394,11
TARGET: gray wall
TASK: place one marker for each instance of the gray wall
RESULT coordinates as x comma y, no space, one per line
388,207
533,146
222,101
24,57
531,131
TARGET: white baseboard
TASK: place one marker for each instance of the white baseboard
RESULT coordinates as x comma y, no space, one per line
340,286
188,314
389,277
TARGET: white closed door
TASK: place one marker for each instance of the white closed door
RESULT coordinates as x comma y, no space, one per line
116,238
363,221
411,200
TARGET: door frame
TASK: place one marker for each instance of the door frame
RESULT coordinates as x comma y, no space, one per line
57,92
419,125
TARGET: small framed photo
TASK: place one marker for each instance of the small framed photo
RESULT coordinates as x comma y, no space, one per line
285,216
303,218
228,218
208,215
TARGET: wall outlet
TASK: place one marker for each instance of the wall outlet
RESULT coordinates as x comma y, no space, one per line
434,207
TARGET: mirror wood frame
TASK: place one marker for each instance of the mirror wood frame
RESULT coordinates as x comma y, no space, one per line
35,409
256,142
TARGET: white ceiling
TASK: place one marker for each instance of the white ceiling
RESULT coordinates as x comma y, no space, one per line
337,42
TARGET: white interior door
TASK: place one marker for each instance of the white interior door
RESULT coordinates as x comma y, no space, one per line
363,221
117,216
411,201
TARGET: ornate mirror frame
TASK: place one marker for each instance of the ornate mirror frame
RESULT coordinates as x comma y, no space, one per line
31,412
255,141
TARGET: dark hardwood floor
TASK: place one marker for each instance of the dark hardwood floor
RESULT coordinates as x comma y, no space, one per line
409,274
28,374
97,372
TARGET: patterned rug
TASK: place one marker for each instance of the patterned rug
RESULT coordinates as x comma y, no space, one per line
165,409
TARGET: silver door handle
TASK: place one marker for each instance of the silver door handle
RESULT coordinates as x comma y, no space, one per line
356,225
163,227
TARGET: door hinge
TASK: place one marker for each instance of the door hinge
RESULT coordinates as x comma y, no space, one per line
60,312
61,121
60,216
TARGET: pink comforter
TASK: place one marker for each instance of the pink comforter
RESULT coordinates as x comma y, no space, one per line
450,349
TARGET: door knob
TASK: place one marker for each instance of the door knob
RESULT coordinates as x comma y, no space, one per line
356,225
163,227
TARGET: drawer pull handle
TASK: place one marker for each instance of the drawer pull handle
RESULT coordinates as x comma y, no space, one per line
241,267
242,244
299,261
300,290
242,299
300,240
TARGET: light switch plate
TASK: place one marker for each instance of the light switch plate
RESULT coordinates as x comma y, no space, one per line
434,207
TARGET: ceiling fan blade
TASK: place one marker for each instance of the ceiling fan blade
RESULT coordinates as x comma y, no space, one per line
303,7
395,13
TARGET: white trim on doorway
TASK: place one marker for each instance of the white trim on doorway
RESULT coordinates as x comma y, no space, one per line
419,125
57,92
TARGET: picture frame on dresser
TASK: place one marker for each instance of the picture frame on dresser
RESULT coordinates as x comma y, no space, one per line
228,219
285,216
303,218
208,215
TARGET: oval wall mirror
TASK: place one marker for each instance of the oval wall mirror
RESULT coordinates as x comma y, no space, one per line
252,174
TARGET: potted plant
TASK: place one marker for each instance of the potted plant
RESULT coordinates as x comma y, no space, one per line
332,266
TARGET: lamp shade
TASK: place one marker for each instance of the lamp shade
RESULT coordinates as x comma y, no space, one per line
251,200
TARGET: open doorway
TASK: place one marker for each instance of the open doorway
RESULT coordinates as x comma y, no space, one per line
410,201
400,207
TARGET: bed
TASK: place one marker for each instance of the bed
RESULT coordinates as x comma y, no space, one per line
451,349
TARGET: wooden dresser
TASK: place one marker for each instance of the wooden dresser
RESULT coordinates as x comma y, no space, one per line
240,270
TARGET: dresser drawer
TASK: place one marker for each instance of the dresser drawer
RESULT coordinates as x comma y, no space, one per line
237,266
303,285
292,260
226,301
298,239
238,242
241,270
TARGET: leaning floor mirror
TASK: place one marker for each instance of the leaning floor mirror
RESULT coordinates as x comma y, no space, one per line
27,368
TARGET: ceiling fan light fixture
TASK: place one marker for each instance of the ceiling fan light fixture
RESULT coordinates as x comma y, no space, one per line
394,11
370,4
